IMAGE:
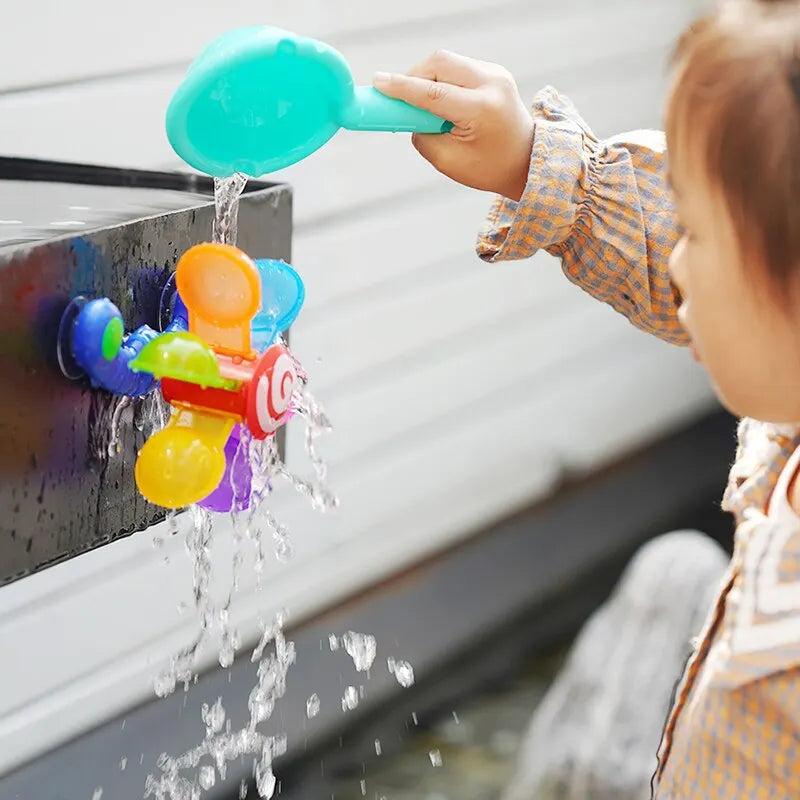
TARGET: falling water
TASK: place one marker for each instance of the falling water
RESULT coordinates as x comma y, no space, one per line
221,745
227,192
350,698
402,671
185,777
114,442
312,706
362,648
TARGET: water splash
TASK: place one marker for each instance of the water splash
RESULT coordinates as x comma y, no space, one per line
222,745
198,545
213,717
312,706
114,441
402,671
362,648
306,407
207,777
184,777
350,699
150,413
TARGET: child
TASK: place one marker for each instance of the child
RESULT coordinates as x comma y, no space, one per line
724,279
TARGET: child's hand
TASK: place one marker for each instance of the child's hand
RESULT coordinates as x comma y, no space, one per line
490,146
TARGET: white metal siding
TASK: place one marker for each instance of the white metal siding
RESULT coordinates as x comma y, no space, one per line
458,391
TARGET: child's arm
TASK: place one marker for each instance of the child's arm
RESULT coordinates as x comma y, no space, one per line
603,207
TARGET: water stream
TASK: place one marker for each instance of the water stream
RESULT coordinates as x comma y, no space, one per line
188,776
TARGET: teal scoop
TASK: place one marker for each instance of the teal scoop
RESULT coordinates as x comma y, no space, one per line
259,99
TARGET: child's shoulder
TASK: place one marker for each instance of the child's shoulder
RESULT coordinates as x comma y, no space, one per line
760,633
762,453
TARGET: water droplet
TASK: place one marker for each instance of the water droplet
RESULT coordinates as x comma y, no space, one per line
123,762
164,683
455,717
403,671
213,716
414,717
98,793
265,782
283,550
243,790
363,788
350,699
378,748
226,655
333,642
312,706
207,776
436,758
362,648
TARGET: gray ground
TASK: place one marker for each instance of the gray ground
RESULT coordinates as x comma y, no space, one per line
477,745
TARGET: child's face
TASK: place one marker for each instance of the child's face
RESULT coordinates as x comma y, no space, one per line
749,343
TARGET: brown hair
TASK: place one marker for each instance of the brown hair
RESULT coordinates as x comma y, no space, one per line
735,104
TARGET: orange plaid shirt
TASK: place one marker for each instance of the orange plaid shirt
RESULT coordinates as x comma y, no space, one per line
604,209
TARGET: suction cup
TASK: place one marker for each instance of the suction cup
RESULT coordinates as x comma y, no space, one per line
166,306
66,360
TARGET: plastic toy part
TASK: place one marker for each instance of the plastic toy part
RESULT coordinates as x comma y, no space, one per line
184,357
221,289
70,368
104,353
270,392
219,363
172,312
259,99
233,491
282,297
261,399
185,462
92,341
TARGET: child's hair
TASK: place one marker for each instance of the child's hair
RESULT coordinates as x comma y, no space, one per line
734,111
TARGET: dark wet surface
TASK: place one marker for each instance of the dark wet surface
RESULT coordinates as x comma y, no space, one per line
33,211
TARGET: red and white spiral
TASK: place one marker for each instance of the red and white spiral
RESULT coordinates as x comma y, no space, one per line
269,397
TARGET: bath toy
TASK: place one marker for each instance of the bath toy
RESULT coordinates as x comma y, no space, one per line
92,341
234,488
218,361
259,99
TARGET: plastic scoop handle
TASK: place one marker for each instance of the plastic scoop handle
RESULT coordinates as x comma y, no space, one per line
370,110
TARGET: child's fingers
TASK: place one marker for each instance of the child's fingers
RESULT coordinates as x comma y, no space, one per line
450,102
450,67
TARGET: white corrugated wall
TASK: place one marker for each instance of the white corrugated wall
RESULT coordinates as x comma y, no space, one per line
459,391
